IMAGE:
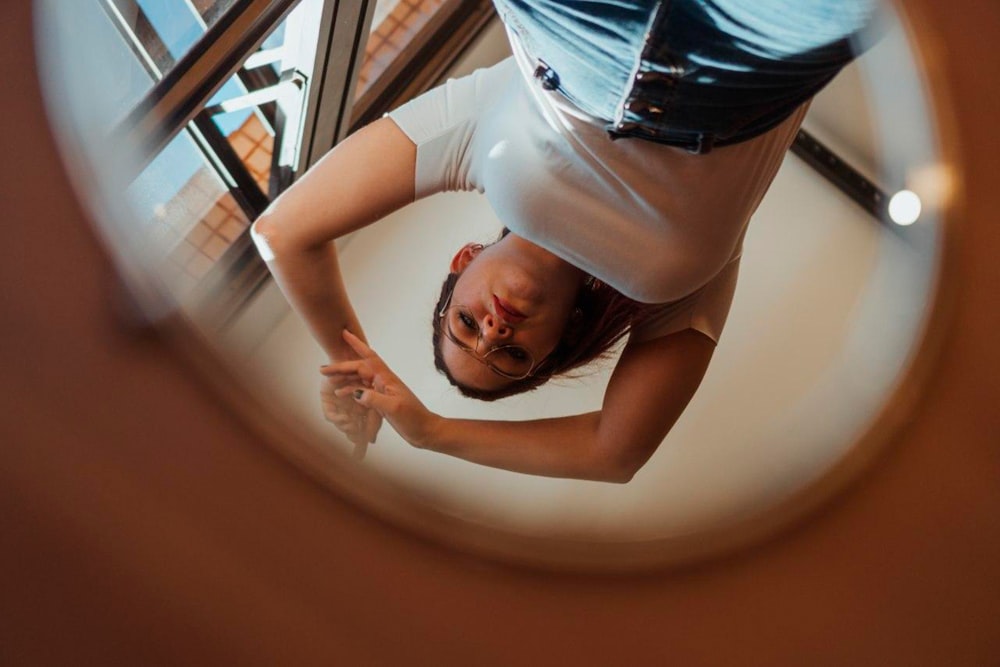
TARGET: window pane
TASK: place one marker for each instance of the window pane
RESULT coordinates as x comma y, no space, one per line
211,10
252,139
394,24
259,111
169,28
196,198
185,213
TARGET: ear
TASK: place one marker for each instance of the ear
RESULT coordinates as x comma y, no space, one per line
464,256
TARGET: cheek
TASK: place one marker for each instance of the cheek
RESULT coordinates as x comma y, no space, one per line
468,286
544,340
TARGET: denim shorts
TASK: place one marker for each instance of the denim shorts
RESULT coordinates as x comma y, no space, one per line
689,73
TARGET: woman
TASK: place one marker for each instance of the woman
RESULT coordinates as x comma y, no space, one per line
624,146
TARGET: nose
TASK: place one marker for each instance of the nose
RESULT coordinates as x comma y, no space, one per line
494,331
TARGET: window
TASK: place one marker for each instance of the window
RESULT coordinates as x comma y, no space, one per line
224,103
397,23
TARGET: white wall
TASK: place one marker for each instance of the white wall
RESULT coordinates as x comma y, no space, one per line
824,317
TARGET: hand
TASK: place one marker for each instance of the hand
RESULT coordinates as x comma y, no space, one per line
358,423
370,384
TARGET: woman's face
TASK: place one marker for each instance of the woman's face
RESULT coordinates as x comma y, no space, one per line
515,293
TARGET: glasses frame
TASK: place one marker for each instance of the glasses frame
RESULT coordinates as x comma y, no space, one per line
474,352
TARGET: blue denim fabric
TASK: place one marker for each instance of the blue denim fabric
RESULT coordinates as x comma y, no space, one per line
691,73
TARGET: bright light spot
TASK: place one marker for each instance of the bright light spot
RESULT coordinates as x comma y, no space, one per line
497,150
160,211
904,207
263,247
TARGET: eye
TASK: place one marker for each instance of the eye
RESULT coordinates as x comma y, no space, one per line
516,353
467,321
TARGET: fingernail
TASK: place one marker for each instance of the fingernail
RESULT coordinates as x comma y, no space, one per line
358,393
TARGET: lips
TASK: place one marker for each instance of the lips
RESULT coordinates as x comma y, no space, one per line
506,311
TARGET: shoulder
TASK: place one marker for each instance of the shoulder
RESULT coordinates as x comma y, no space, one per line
444,124
454,103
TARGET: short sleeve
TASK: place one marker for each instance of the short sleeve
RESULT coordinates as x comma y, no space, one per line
442,123
704,310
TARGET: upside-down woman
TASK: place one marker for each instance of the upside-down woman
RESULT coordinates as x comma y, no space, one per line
624,146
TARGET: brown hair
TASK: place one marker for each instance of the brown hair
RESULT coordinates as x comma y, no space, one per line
603,316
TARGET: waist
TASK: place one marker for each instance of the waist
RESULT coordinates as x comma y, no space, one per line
684,73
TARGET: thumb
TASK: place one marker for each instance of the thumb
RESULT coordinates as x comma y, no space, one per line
372,399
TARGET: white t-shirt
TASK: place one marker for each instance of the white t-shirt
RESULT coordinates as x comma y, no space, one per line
657,223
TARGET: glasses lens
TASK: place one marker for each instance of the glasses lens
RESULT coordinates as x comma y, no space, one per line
512,361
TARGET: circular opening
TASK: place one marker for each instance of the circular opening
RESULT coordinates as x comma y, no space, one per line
831,334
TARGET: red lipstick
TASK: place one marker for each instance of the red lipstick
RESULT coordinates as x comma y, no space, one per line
507,312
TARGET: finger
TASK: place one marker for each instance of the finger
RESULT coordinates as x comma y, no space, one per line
359,346
337,376
380,403
354,434
363,374
343,406
373,426
360,449
349,422
343,422
335,399
329,389
354,366
336,413
350,390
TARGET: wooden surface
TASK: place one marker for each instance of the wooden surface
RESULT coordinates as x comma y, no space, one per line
140,522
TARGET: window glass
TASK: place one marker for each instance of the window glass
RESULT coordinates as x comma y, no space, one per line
185,211
197,195
394,24
177,25
211,10
251,136
258,112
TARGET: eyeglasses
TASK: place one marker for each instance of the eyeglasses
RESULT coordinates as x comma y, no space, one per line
510,361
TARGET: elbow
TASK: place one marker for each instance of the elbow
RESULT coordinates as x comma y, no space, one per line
277,233
621,474
617,468
614,478
263,233
263,226
617,461
273,237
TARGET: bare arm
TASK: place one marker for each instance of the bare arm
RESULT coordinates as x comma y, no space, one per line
363,179
649,389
